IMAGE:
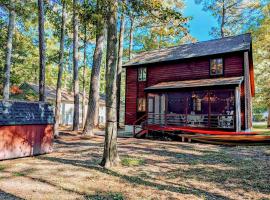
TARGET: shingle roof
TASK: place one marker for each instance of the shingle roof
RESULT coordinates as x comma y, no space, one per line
25,113
196,83
211,47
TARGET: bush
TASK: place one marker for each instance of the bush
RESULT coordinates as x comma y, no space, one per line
258,118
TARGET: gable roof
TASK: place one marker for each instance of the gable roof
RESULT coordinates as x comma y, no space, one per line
198,49
50,93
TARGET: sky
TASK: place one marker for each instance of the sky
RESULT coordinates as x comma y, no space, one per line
202,21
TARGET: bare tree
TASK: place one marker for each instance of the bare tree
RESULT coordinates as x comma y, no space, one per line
119,65
93,103
11,27
110,154
75,68
42,50
60,70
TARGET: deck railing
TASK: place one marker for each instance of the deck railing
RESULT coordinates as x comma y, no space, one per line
193,120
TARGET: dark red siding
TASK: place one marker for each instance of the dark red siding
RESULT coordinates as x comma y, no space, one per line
131,95
234,65
196,68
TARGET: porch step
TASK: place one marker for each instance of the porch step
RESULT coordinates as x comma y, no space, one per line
141,133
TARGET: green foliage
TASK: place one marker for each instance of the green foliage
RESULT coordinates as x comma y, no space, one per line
233,16
159,23
261,46
258,117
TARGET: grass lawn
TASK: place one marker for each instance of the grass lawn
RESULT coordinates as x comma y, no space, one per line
262,128
150,170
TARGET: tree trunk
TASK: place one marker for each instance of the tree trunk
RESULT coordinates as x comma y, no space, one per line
222,20
75,68
119,66
60,71
110,154
11,27
93,103
42,56
84,76
268,119
131,37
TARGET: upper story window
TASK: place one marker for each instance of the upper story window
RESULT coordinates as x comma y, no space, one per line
142,73
216,66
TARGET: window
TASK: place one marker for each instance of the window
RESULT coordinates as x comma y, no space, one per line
151,104
197,104
142,74
216,66
141,105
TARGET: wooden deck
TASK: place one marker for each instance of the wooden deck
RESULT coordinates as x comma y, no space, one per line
227,139
195,130
214,136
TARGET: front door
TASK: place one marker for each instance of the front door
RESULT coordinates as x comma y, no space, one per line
156,108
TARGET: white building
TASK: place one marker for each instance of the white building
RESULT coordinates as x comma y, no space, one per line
67,103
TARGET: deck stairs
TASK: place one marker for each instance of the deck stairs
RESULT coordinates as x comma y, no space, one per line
140,127
141,134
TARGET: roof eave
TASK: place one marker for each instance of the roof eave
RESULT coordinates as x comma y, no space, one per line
149,89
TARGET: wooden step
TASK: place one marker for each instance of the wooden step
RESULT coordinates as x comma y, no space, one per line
141,133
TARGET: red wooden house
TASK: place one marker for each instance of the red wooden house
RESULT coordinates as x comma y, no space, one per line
205,85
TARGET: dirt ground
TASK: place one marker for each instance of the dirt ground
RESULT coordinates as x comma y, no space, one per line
150,169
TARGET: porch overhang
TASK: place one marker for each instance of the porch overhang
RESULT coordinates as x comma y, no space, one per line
196,83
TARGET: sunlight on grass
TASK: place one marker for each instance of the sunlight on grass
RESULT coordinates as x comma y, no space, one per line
108,196
2,167
18,174
130,162
262,128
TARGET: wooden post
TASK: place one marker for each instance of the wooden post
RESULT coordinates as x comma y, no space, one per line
248,102
186,111
209,109
237,109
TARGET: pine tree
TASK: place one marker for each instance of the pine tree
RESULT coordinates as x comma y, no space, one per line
42,51
60,70
93,103
75,67
110,154
11,27
119,65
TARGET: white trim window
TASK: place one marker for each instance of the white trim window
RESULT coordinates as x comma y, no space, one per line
142,74
216,67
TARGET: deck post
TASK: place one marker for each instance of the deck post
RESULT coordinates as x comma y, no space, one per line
237,109
248,106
